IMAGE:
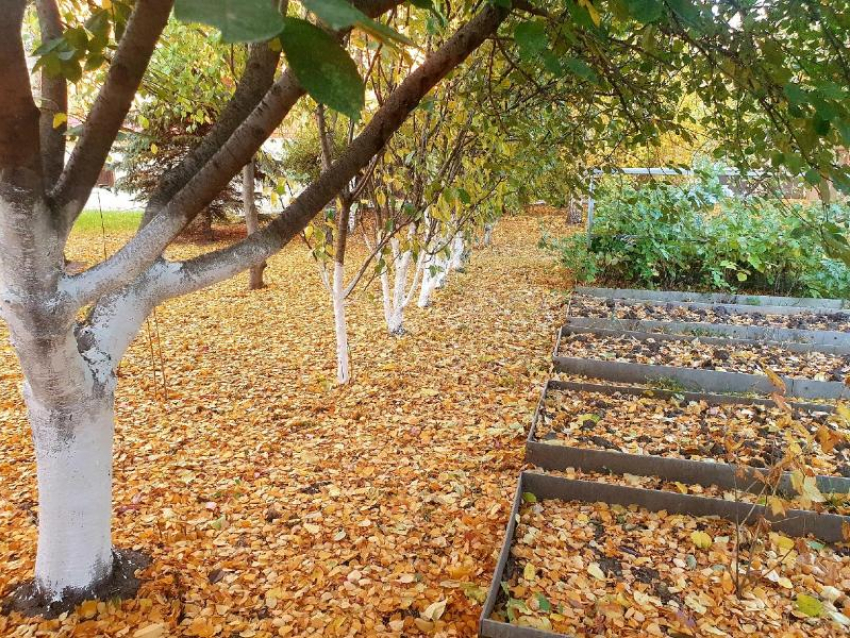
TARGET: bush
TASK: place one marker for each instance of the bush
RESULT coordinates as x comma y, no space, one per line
573,254
697,237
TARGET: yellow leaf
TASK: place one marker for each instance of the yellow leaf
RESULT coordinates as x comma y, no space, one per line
106,4
529,573
156,630
88,609
784,543
701,540
595,571
843,410
591,10
776,505
809,605
202,628
59,119
775,380
810,490
828,438
435,611
154,149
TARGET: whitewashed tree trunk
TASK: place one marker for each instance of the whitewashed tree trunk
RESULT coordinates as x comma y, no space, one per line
73,446
457,260
442,263
488,233
343,373
68,389
397,297
386,296
429,282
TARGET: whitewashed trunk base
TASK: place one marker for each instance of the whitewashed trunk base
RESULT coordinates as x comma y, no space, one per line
75,560
73,449
343,372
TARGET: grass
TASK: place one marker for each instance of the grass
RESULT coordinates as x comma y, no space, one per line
112,221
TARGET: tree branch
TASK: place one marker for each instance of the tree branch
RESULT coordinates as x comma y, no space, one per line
151,240
110,108
148,244
54,98
19,146
256,80
219,265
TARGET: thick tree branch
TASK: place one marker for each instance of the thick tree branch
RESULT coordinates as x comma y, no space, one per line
253,85
219,265
111,106
255,82
54,98
20,163
149,243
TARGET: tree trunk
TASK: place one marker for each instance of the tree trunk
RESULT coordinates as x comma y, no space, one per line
73,447
343,373
393,314
429,282
442,263
488,233
574,211
458,253
394,297
252,222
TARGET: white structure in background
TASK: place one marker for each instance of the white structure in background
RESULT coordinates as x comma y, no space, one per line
112,199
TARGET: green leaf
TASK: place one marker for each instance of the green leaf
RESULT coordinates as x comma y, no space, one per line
383,33
645,11
809,605
581,69
795,94
813,176
531,39
323,67
528,497
429,5
337,14
843,127
543,603
686,10
238,20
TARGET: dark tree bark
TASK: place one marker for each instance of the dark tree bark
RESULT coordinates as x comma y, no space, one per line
54,99
110,107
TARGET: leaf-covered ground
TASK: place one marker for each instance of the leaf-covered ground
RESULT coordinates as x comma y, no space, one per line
586,306
752,435
275,503
592,569
693,353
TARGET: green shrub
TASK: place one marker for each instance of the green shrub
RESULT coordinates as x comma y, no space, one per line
694,237
573,254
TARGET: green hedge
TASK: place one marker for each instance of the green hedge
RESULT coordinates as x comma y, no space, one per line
697,237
